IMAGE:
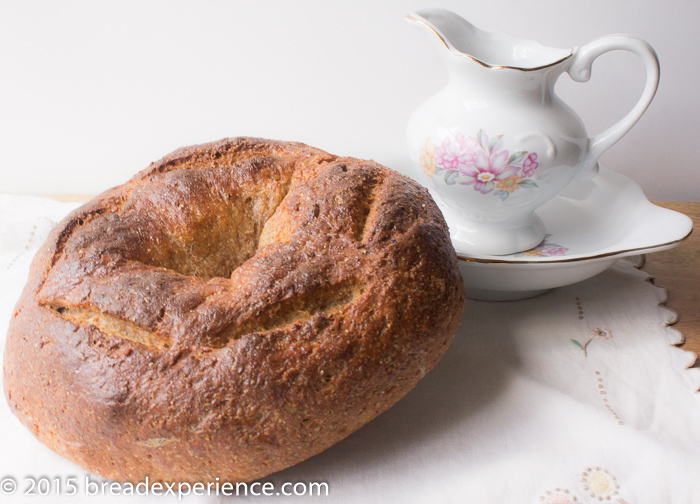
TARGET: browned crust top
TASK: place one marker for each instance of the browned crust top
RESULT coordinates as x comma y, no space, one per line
231,310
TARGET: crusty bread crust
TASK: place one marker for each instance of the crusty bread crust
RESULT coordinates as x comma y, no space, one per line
232,310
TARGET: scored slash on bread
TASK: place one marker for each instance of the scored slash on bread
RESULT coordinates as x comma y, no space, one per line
234,309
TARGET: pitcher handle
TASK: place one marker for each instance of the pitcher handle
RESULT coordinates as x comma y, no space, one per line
580,71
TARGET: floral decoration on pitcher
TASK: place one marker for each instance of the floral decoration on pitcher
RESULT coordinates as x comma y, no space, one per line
479,162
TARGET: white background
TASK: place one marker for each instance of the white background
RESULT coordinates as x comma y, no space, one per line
92,92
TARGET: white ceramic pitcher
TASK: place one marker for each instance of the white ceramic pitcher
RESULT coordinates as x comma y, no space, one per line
497,142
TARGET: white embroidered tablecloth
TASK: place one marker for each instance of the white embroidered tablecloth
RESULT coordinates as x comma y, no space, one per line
578,395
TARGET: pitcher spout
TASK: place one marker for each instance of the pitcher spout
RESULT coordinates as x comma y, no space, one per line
489,49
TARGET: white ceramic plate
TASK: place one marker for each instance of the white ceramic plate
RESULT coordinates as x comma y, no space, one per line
590,225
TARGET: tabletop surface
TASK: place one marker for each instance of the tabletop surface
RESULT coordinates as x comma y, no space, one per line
677,270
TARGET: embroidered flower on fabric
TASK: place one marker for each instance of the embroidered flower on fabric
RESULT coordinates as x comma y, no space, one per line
599,483
597,333
604,334
557,496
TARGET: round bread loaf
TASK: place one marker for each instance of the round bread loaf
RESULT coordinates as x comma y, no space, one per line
233,309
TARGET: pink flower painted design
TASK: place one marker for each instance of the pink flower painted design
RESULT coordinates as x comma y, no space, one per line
480,162
530,165
487,170
557,251
450,154
545,249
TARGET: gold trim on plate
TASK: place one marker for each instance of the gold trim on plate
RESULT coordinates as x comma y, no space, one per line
575,259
